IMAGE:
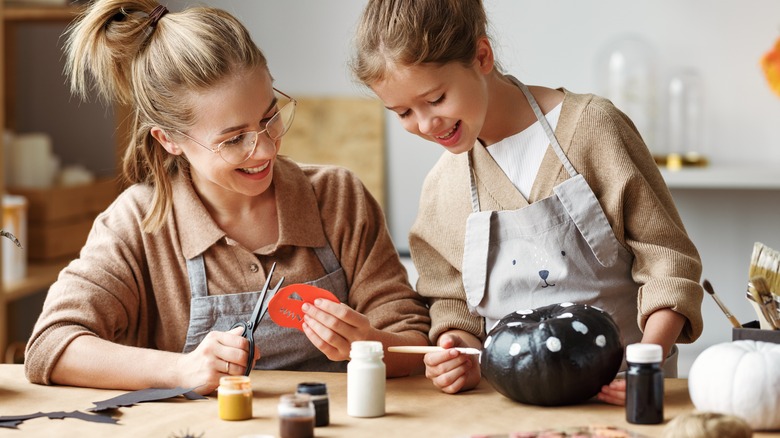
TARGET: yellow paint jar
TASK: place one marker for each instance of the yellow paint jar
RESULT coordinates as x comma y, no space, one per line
234,396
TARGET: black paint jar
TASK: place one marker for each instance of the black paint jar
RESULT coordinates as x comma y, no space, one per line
319,396
644,384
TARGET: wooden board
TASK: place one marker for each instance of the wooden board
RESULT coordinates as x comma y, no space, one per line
345,131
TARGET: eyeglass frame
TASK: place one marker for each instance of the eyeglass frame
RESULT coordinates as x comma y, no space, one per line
218,148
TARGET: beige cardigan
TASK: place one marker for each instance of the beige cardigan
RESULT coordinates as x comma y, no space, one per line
132,288
604,146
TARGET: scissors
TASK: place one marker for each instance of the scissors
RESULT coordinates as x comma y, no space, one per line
260,309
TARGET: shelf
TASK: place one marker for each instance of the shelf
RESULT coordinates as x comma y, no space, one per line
18,12
39,276
724,177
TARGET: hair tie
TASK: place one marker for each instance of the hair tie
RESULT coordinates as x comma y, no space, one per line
156,14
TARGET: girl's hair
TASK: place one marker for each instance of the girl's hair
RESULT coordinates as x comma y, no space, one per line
412,32
154,64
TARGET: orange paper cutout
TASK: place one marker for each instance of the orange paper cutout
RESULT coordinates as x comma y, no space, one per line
286,307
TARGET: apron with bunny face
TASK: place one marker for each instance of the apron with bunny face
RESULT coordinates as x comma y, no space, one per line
559,249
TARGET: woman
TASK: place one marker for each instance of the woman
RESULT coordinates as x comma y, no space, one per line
180,256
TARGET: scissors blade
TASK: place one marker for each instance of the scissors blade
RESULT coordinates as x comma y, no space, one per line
258,312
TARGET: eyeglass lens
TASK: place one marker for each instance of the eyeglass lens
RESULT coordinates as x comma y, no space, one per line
237,149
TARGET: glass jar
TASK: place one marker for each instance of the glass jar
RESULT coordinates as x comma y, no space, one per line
296,416
234,397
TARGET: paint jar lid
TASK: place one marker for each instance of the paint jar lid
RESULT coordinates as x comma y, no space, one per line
313,388
644,353
366,350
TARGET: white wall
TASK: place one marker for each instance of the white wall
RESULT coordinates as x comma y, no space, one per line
556,44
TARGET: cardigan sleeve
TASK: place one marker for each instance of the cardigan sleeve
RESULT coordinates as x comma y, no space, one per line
97,294
611,155
436,245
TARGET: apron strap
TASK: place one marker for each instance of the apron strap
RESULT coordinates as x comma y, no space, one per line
196,271
475,256
473,181
327,258
546,125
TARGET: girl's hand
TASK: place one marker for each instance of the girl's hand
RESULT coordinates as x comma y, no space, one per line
219,354
332,327
614,393
450,370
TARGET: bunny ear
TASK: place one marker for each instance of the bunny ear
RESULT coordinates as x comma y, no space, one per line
285,308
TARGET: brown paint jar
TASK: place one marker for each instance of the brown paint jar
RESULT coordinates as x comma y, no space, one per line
296,416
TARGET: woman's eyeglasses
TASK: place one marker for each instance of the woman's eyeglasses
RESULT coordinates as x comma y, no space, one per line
239,148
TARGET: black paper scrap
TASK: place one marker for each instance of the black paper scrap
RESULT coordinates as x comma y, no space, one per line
15,420
145,395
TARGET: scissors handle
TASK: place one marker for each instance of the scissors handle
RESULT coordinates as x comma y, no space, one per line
248,333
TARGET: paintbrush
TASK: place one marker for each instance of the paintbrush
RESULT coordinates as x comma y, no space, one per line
765,262
426,349
759,289
708,287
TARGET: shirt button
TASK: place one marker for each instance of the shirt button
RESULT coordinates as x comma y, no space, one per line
253,267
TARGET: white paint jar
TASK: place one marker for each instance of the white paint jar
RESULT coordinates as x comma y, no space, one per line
366,377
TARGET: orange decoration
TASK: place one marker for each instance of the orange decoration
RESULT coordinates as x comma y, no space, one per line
770,63
286,307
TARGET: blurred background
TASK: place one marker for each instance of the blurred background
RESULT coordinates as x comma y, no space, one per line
686,71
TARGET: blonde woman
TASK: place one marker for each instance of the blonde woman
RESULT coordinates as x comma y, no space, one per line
180,256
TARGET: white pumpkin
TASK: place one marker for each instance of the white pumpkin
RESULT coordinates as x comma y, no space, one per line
741,378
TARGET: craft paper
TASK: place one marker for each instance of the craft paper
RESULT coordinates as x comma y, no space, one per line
286,307
14,420
145,395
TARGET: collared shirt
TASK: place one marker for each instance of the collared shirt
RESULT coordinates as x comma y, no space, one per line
131,287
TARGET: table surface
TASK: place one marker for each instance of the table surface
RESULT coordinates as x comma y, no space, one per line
414,409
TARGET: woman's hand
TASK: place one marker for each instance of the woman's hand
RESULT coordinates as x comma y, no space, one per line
332,327
614,393
219,354
450,370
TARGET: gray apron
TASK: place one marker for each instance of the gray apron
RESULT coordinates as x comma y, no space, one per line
280,347
559,249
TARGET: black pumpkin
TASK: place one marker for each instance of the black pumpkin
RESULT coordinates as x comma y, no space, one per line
555,355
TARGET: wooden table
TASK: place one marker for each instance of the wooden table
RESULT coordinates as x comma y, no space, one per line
414,409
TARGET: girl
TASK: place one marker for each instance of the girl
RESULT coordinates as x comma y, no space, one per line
177,259
543,196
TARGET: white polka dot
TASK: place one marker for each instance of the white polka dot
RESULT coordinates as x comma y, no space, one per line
566,304
494,325
514,324
553,344
525,312
488,341
514,349
565,315
601,340
579,327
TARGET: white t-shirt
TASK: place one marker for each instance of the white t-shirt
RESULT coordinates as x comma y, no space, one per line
520,155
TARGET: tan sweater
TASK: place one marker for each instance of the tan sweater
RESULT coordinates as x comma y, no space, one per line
604,146
132,288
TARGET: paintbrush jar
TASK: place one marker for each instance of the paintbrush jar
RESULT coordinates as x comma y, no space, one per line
644,384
